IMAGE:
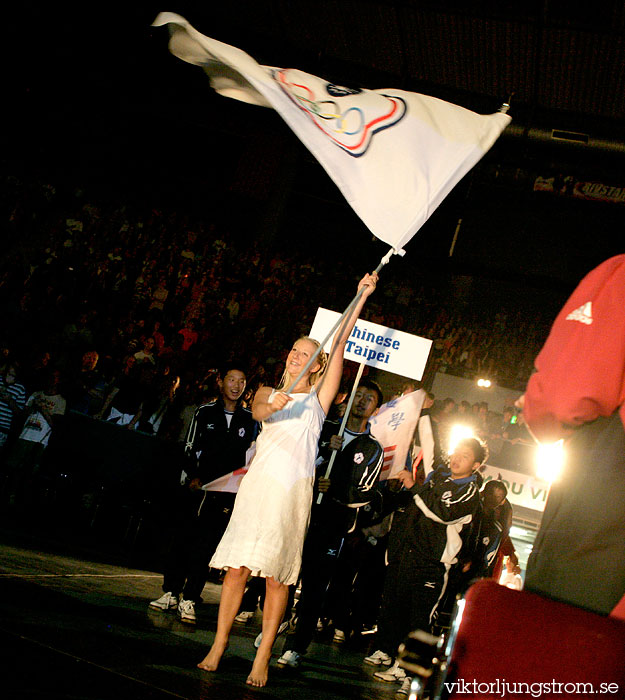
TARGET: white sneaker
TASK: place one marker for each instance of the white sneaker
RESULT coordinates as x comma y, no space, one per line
404,691
168,601
379,658
244,616
283,626
186,611
339,636
395,673
323,623
290,658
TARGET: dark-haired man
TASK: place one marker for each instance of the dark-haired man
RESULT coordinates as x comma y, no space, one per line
490,530
426,536
349,488
219,436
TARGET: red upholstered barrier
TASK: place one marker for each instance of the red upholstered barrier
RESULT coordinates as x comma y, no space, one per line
512,641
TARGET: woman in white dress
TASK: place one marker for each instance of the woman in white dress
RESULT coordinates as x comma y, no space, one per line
266,532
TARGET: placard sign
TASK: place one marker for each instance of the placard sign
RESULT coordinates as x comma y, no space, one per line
523,489
377,346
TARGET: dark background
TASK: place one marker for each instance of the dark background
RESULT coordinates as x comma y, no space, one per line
96,101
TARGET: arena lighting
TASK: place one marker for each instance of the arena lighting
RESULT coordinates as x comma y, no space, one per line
484,383
516,531
458,432
549,461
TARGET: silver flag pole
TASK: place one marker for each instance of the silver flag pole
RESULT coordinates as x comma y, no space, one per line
343,317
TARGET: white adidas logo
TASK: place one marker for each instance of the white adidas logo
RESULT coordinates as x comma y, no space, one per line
583,314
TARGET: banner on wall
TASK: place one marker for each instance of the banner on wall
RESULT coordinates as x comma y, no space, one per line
523,490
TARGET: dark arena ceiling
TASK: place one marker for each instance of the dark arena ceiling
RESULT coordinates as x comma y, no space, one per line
97,96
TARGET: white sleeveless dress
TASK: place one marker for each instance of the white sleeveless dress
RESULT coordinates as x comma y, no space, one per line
272,509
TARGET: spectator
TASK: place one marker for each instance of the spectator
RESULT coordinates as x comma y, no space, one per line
159,338
146,354
12,400
124,402
233,307
511,578
156,408
35,376
482,427
83,388
189,334
42,410
159,296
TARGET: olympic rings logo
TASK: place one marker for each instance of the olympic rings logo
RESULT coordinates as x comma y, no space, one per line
317,108
351,127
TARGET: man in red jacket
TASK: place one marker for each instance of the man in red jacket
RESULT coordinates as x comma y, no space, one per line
578,394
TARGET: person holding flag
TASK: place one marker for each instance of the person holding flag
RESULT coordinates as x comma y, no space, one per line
430,523
350,487
266,532
394,426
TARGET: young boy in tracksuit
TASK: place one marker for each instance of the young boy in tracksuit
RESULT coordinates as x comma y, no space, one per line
426,536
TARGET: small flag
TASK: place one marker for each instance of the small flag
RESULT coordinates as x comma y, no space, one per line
231,481
389,458
394,426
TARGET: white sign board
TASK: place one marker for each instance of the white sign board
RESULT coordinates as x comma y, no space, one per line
523,489
377,346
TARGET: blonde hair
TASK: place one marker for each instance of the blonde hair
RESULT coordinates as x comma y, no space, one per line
321,359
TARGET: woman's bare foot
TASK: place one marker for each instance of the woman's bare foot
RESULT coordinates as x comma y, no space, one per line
211,661
260,670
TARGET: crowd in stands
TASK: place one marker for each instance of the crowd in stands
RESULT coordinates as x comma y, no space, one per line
137,307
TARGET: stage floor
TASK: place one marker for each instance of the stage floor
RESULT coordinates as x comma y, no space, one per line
75,623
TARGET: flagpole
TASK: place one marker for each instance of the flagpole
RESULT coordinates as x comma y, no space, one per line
343,424
343,317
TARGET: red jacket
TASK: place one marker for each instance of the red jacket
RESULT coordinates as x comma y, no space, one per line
581,368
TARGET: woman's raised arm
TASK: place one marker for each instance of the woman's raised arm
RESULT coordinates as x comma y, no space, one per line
332,377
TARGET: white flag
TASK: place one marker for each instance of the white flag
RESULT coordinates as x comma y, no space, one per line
231,481
395,155
393,427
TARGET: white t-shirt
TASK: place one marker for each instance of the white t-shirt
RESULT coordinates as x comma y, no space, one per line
37,428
